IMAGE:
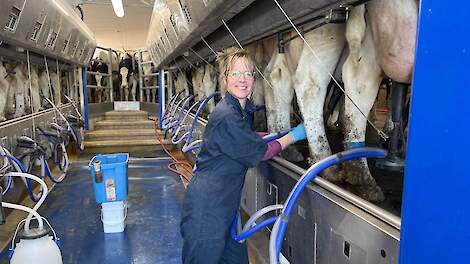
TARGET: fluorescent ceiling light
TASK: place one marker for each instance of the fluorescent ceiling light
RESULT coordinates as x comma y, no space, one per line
118,8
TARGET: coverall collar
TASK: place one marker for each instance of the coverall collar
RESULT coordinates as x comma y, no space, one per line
249,106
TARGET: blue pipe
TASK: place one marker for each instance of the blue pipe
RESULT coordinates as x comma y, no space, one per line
251,231
199,111
273,136
180,117
29,186
311,174
49,173
85,99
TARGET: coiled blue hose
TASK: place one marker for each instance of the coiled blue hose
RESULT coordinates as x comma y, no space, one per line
281,222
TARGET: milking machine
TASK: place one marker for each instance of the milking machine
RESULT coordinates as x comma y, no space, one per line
396,144
36,244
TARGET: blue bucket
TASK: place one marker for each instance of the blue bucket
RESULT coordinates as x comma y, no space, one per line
113,186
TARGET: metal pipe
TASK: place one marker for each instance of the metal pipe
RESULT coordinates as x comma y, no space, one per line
110,72
141,80
370,208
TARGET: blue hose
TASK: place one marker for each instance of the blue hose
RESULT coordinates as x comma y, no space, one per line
29,186
273,136
251,231
311,174
49,173
199,111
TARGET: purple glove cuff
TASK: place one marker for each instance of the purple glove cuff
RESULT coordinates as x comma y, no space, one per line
274,148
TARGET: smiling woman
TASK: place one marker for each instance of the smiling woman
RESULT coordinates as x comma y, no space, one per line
229,148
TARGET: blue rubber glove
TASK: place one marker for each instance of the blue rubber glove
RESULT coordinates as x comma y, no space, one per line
298,132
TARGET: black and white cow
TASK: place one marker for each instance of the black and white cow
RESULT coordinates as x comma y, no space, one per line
128,70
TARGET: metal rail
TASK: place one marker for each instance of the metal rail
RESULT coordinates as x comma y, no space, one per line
374,210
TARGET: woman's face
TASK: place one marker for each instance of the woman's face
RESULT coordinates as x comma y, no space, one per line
240,79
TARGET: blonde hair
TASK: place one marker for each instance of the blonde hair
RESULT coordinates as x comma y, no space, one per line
225,59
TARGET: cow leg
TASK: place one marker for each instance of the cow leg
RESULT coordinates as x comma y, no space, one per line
134,88
311,81
281,81
4,87
361,76
19,98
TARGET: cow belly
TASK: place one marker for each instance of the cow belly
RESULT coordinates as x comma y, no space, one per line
394,24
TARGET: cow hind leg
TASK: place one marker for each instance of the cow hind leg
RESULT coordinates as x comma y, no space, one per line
361,76
311,81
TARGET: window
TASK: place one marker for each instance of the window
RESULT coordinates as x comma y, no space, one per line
66,44
51,40
36,29
13,19
186,13
75,47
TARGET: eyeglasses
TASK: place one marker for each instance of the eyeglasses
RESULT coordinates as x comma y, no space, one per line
238,74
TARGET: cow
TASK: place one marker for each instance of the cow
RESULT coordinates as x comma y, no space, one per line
197,76
35,97
181,84
19,83
381,37
279,88
209,85
44,88
4,91
129,71
56,87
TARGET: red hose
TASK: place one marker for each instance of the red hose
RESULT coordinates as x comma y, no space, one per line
173,165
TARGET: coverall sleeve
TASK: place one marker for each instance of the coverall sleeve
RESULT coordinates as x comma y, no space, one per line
235,139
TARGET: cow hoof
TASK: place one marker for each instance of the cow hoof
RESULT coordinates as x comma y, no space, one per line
292,154
357,173
371,193
333,175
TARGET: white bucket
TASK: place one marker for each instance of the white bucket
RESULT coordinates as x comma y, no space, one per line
113,216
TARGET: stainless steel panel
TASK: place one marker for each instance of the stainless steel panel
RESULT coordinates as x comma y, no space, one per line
249,20
248,202
177,25
325,228
47,27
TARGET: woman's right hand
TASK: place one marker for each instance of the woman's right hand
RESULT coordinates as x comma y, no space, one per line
298,133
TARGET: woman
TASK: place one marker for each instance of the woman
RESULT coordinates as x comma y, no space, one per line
229,148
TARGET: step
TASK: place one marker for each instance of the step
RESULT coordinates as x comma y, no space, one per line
114,134
115,146
124,124
126,115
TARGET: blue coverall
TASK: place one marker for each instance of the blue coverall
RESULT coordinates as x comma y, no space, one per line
212,198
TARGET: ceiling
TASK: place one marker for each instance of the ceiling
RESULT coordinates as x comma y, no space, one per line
127,33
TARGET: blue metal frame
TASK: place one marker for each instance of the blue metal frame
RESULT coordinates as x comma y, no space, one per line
436,214
161,96
85,98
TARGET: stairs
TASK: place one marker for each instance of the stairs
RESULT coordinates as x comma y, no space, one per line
125,131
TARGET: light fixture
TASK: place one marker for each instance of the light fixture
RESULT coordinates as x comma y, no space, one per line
118,7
